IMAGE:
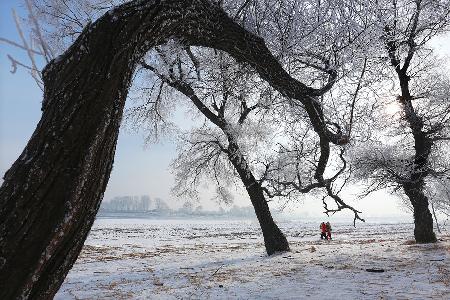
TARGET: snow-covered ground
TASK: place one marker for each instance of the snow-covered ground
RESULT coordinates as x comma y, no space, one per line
192,259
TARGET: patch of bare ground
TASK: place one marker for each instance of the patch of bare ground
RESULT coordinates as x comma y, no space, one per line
443,275
371,241
112,290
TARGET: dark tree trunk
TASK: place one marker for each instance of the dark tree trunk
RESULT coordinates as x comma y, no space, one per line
423,220
52,193
274,239
414,186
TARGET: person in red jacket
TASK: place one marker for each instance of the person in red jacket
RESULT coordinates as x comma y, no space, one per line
323,231
328,230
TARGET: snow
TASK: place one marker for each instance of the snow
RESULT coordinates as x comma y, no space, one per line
220,259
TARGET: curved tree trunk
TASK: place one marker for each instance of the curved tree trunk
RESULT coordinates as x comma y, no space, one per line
51,194
274,239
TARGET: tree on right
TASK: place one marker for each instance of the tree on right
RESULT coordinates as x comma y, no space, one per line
407,150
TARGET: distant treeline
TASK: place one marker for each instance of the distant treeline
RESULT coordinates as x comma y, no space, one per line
134,204
157,206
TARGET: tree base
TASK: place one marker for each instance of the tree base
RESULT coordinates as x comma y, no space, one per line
424,237
277,242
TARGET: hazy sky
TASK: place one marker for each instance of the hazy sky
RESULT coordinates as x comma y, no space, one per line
137,169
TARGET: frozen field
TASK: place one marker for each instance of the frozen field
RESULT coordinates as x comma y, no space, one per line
188,259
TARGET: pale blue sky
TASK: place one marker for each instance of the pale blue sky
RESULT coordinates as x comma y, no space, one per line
137,170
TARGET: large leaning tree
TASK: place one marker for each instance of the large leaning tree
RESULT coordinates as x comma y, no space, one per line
251,132
213,151
51,194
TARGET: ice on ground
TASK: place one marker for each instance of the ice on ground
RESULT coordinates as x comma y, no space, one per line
188,259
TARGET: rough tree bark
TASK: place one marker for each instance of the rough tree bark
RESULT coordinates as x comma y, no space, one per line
51,194
423,220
